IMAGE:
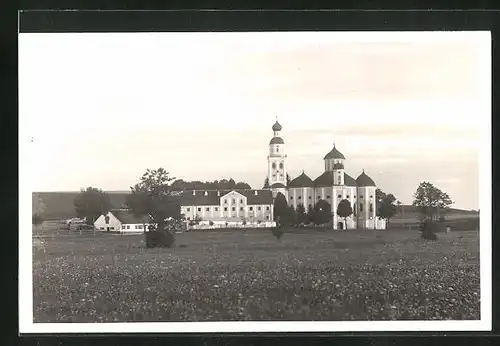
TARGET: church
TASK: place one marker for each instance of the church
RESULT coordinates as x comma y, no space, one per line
333,186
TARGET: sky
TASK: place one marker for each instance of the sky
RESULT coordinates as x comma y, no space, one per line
99,109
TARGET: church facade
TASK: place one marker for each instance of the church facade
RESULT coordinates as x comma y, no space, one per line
333,186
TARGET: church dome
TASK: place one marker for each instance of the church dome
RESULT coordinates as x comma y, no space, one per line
277,140
334,154
301,181
364,180
277,126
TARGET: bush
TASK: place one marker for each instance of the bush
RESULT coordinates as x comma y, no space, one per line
277,232
211,223
428,229
159,239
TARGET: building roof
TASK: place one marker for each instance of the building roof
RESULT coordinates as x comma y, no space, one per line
277,185
277,126
276,140
301,181
128,217
187,197
326,179
334,154
364,180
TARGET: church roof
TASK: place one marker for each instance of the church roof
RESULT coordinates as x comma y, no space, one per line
364,180
211,198
301,181
334,154
277,126
277,140
326,179
277,185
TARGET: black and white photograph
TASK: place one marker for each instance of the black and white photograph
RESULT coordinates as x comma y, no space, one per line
255,181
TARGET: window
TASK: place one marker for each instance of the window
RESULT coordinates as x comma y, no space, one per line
225,202
361,196
250,208
267,217
277,149
361,207
225,208
318,197
371,196
241,201
274,165
339,196
241,208
188,209
371,208
347,196
102,228
106,218
291,197
327,197
216,209
207,209
199,209
111,228
140,226
354,210
354,196
233,201
281,165
267,208
128,226
189,218
123,226
234,208
310,197
300,197
259,208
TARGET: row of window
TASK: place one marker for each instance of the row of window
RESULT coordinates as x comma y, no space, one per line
128,227
328,197
274,165
225,208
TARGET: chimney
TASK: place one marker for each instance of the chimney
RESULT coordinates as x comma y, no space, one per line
194,192
206,193
256,192
218,193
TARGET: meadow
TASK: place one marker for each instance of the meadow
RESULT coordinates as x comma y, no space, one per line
249,275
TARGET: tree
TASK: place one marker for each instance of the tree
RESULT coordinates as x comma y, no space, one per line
91,203
38,207
153,196
242,186
301,214
386,208
281,212
344,210
291,219
399,204
36,219
266,184
310,214
430,200
288,179
322,212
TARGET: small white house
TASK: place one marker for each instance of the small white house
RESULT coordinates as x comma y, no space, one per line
121,221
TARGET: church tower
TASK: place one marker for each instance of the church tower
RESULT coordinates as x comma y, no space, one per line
276,162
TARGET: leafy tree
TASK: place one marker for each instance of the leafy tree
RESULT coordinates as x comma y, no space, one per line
344,210
310,214
281,211
242,186
266,184
152,196
322,212
224,184
90,203
430,201
291,219
385,208
301,214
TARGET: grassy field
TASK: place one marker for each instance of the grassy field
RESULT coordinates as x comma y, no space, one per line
237,275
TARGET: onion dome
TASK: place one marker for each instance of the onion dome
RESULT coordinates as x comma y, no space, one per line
277,185
364,180
301,181
334,154
338,165
276,140
277,126
326,180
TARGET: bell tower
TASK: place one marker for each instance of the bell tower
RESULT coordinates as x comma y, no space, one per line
276,160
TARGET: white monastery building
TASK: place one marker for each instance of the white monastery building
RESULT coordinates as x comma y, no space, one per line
332,186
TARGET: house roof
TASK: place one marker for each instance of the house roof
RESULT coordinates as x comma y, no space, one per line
301,181
128,217
364,180
326,179
276,140
334,154
211,198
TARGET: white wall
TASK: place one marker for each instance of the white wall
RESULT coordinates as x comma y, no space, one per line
114,223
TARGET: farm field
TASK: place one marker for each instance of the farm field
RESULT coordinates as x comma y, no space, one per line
249,275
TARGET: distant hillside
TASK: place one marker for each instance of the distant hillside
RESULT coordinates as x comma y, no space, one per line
59,205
